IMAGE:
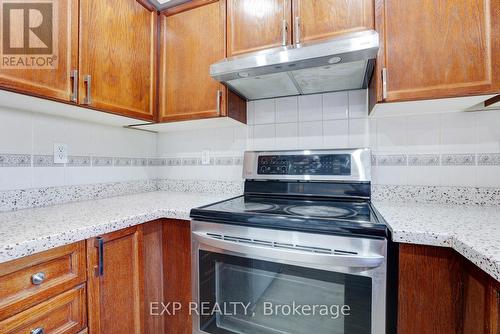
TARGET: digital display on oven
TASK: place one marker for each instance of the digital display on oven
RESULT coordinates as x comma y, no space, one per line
315,164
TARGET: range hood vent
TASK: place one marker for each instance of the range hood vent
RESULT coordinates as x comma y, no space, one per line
342,63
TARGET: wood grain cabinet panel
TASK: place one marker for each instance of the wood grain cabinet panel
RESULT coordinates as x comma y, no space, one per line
494,308
51,83
153,273
438,49
118,51
254,25
61,268
481,301
192,40
321,19
63,314
441,292
177,273
429,290
115,296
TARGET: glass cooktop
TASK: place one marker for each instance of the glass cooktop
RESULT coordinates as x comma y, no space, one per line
323,215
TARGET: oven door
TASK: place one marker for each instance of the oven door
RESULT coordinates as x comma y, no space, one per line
250,280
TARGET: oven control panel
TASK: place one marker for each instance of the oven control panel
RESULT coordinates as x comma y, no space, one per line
315,164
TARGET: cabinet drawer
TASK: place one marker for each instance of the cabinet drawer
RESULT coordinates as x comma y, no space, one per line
63,314
33,279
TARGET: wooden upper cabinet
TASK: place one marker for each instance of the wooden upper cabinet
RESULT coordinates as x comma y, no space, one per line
118,52
192,38
437,49
53,82
254,25
115,295
322,19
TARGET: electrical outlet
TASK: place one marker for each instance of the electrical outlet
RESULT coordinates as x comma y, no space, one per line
205,157
60,153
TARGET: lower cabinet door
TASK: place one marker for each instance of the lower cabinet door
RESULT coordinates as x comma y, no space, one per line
115,282
493,325
63,314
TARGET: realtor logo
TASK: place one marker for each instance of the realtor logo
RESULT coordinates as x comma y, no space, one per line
29,31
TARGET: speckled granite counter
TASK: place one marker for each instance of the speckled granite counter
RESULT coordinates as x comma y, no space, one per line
30,231
473,231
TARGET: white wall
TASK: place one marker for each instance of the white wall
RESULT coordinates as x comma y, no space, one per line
34,135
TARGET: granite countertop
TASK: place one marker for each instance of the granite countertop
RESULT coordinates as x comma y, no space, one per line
29,231
473,231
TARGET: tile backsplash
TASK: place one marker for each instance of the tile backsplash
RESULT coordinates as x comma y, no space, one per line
439,149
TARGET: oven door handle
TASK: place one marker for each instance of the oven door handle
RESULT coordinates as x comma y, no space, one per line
291,255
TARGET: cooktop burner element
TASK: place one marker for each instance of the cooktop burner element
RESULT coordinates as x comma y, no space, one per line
321,211
261,207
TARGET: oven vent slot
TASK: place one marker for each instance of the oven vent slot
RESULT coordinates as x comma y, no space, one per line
282,245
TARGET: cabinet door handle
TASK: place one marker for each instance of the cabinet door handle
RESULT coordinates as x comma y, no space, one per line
284,33
38,330
100,256
219,97
384,83
88,82
74,94
38,278
297,30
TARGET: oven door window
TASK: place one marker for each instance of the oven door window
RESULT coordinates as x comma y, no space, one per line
241,295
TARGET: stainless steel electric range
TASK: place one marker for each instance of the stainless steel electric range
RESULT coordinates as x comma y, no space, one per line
302,251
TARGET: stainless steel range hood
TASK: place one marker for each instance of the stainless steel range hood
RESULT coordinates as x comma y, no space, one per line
342,63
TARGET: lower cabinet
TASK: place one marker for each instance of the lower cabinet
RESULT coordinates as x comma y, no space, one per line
134,272
111,284
115,282
481,302
45,292
441,292
177,274
64,314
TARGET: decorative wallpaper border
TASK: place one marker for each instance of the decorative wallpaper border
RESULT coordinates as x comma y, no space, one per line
445,159
383,160
26,160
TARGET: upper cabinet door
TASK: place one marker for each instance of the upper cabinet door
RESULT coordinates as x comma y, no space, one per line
192,38
254,25
321,19
438,49
41,64
117,57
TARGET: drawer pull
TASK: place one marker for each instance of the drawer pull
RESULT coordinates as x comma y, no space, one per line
38,279
38,330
